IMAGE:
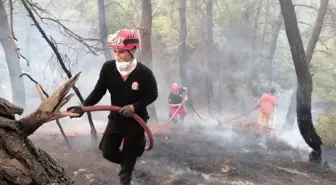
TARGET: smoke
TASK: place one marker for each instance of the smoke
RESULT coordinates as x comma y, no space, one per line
238,75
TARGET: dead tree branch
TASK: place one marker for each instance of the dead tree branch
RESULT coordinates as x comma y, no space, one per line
48,110
307,6
94,48
12,35
57,120
11,28
60,60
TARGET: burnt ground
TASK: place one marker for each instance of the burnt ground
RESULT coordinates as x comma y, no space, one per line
194,157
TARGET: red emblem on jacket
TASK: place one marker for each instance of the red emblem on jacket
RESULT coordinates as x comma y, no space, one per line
135,86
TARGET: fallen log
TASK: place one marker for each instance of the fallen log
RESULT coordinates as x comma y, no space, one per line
21,163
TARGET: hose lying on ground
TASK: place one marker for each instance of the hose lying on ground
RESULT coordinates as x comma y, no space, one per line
135,116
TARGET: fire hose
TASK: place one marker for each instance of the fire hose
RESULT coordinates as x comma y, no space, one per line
193,108
135,116
178,108
168,121
241,115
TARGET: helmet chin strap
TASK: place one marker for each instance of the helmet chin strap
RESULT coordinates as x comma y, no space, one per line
130,54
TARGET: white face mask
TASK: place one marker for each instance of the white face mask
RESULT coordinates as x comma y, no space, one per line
125,68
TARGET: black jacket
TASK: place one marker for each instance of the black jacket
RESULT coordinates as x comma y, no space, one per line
140,88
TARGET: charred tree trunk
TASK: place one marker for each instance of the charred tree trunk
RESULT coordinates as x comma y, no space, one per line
21,163
321,13
274,39
305,86
13,62
146,44
103,29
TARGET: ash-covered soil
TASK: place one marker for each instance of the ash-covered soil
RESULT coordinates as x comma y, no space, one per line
196,156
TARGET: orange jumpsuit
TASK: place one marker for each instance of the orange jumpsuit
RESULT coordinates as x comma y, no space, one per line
267,104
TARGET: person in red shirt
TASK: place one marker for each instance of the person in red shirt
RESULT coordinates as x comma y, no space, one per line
175,99
267,104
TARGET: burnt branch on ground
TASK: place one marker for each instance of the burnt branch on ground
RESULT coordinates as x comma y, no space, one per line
57,120
29,8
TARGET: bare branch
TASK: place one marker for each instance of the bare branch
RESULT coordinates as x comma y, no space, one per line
12,37
61,62
32,79
127,12
307,6
323,52
301,22
94,49
27,61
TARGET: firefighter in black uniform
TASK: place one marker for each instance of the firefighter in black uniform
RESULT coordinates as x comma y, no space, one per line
175,100
133,87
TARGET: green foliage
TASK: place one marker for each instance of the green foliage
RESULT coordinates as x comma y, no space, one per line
324,70
326,128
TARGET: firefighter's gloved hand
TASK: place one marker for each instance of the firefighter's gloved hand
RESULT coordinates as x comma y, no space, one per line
77,110
126,111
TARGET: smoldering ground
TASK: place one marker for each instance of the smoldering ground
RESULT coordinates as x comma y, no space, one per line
189,154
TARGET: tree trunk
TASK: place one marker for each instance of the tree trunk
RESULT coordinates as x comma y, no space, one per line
13,62
146,44
256,27
21,163
183,55
321,13
183,46
291,113
103,29
274,39
210,61
305,86
262,40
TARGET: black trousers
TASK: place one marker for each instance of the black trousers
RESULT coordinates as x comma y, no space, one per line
117,129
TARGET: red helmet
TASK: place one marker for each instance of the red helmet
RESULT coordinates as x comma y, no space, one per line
123,39
175,88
